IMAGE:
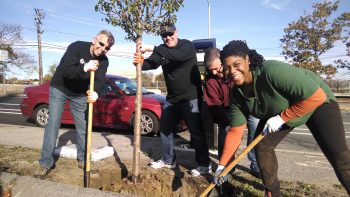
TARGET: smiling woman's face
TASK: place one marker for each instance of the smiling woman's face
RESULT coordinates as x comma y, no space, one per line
238,69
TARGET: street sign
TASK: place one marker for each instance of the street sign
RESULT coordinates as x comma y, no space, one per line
3,55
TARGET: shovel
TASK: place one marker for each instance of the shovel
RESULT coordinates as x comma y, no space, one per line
89,133
234,162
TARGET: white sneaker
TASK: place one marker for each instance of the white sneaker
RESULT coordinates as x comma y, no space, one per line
161,164
201,170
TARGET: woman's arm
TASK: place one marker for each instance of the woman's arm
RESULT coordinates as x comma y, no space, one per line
232,142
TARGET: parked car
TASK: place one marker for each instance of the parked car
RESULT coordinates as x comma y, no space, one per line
114,109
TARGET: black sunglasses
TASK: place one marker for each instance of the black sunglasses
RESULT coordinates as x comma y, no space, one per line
166,34
103,45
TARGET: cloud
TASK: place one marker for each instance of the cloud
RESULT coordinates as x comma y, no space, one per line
275,4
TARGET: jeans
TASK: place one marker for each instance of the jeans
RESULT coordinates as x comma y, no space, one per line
189,112
252,124
327,128
78,107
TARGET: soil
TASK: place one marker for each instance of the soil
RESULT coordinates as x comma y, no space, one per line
112,175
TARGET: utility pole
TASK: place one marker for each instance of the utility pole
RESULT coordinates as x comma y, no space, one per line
208,18
39,16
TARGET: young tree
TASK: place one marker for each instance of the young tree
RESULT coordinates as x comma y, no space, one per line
136,17
10,35
311,36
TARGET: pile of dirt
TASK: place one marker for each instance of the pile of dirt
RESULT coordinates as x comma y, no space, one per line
113,175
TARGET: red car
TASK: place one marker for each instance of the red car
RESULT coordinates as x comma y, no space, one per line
114,109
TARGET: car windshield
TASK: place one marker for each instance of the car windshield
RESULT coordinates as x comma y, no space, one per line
129,86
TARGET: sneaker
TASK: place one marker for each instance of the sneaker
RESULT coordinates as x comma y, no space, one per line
41,172
161,164
201,170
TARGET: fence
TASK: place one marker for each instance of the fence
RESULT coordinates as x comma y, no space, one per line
11,89
339,86
159,85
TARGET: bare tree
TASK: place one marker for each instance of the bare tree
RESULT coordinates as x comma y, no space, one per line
136,17
345,19
312,35
11,35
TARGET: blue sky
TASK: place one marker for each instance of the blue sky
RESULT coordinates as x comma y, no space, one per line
259,22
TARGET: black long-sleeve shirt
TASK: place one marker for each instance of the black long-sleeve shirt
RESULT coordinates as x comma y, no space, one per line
181,74
70,77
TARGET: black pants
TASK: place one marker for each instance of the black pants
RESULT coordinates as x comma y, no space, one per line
327,127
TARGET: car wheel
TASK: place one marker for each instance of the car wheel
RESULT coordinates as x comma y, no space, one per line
149,123
41,115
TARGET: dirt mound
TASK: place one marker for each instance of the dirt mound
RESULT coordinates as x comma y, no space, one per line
114,175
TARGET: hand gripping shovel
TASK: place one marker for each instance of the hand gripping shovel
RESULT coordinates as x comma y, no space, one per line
234,162
89,133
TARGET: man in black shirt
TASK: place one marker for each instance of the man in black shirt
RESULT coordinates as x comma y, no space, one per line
70,82
178,60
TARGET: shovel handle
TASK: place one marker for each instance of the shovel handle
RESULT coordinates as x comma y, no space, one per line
88,134
229,167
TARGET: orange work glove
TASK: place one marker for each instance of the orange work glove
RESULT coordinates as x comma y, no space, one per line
138,58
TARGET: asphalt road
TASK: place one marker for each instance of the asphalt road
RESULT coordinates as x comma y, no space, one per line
300,138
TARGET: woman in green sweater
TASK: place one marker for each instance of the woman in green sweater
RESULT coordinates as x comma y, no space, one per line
283,97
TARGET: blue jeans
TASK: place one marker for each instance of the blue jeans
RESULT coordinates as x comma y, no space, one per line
252,124
189,112
78,107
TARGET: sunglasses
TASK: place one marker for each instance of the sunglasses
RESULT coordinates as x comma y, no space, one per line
103,45
166,34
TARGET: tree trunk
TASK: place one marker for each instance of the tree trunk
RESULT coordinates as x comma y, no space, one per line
137,122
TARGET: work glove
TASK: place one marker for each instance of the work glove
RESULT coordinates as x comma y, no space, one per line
219,180
92,65
273,124
138,58
91,97
146,48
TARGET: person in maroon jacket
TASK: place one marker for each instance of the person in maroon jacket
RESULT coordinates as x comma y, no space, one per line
216,95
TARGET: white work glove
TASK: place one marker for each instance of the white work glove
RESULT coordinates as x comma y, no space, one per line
273,124
219,180
146,48
92,65
92,97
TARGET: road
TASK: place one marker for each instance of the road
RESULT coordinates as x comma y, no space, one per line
300,138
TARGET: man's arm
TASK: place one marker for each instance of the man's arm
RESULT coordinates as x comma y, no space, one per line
182,52
153,62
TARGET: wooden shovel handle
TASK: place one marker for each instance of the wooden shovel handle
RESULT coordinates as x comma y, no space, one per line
234,162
